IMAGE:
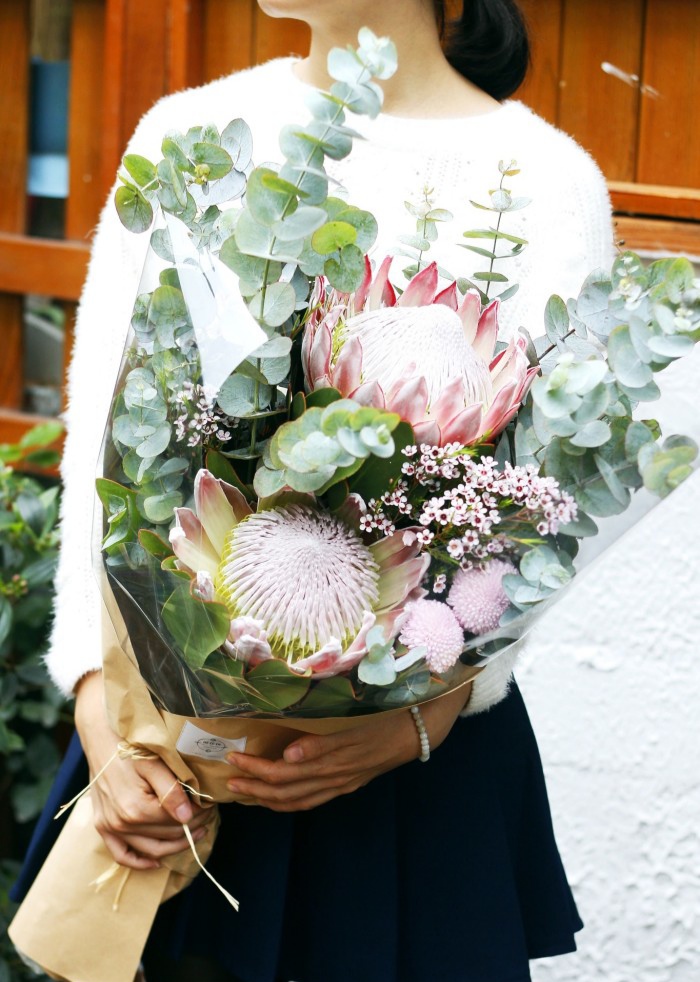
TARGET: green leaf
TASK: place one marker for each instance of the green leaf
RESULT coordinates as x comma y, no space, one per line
197,627
330,697
376,474
154,545
156,443
625,361
42,435
5,619
269,199
332,237
556,319
276,686
212,161
593,434
135,213
237,396
160,508
141,169
345,274
277,305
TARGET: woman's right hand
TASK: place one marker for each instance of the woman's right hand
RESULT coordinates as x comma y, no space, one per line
139,805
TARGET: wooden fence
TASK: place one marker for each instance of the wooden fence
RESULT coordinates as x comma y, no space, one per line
607,73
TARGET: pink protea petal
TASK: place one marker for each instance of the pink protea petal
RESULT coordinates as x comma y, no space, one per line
509,364
427,432
420,291
362,292
359,644
431,624
391,622
326,662
394,550
237,500
487,331
398,582
252,650
347,371
409,399
369,394
319,361
477,596
382,293
191,544
501,410
213,508
449,402
449,297
465,428
469,312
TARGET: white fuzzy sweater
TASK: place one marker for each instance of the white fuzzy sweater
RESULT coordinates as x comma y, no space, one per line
568,226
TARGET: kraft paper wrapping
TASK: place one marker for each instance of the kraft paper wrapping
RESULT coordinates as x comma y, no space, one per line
68,926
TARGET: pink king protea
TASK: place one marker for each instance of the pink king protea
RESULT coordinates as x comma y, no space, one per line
426,356
298,583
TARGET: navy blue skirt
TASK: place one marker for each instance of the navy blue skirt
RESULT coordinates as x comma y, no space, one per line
446,871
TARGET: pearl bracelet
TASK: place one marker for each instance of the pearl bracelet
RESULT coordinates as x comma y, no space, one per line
422,734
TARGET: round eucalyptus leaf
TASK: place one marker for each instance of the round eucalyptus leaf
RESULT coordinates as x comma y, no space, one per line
161,245
252,238
301,148
237,396
332,237
172,149
671,347
274,305
345,274
156,443
268,198
345,66
337,144
624,359
135,213
168,307
160,508
214,159
123,430
141,169
276,370
237,139
172,180
593,434
302,223
323,106
275,347
311,187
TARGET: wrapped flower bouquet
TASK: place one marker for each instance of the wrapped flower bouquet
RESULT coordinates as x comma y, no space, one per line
327,495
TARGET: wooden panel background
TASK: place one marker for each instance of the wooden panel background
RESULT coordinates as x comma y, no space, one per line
125,54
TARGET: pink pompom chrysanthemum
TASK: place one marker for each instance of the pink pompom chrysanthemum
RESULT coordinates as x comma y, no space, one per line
477,596
432,625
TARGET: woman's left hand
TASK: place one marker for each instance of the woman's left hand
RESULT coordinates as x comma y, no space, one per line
315,769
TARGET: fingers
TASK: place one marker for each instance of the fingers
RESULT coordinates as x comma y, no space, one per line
171,796
124,855
156,849
295,796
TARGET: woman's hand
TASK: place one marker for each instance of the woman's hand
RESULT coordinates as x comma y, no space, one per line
139,805
315,769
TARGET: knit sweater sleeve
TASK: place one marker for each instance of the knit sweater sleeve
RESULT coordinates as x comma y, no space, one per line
75,644
576,223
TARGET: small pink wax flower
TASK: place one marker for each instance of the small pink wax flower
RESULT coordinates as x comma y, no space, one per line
432,625
477,596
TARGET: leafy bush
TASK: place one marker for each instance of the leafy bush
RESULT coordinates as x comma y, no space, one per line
30,706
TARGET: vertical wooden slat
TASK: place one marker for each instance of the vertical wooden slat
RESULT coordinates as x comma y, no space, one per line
146,60
14,100
275,38
184,43
85,121
669,144
112,90
600,108
228,36
542,86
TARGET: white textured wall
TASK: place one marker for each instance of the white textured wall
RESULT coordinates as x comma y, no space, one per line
612,682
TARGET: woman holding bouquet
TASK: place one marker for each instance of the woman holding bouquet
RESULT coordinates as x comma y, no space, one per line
360,861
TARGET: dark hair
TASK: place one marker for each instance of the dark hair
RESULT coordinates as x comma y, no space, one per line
488,44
